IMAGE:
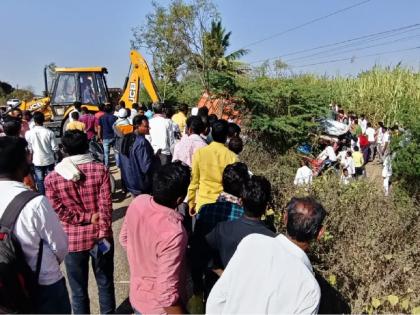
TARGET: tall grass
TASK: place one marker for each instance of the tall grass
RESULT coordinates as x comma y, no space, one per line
391,95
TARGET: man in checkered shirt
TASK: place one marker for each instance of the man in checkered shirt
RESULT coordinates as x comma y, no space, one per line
79,191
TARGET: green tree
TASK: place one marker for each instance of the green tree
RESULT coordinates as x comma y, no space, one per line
172,35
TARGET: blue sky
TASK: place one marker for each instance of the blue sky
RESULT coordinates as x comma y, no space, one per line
98,32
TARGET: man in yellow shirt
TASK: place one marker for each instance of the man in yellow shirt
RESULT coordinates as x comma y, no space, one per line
358,161
208,164
180,118
75,124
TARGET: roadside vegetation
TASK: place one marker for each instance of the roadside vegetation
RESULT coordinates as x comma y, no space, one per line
368,262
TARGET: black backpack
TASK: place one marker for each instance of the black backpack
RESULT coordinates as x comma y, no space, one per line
18,283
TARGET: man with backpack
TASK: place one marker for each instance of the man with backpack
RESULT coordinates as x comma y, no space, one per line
32,241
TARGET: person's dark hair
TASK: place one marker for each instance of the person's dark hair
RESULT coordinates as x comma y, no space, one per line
75,142
168,111
256,196
128,112
27,115
85,110
121,104
356,121
13,154
369,125
381,124
170,183
75,115
236,145
101,107
138,120
233,130
203,111
39,118
195,124
12,126
135,106
304,218
158,108
212,119
234,178
356,148
183,108
108,108
219,131
349,153
77,105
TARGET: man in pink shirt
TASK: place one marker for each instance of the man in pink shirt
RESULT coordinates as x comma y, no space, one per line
156,242
190,142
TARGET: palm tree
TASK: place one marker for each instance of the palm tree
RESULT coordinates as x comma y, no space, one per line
213,58
215,44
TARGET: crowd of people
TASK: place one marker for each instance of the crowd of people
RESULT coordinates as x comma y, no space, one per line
194,232
349,153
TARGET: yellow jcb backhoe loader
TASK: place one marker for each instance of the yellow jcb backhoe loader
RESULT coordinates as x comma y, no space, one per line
88,86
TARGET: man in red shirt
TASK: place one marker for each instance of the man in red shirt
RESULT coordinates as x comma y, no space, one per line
364,146
80,193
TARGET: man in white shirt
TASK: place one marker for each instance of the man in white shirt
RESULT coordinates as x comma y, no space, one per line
43,145
363,123
161,136
303,174
348,164
383,149
370,133
379,136
387,173
341,156
273,275
328,154
37,221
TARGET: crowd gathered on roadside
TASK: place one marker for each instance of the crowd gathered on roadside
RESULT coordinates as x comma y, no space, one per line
362,143
194,232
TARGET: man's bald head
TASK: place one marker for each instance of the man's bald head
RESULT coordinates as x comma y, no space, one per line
304,218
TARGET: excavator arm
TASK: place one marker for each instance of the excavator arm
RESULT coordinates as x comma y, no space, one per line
139,74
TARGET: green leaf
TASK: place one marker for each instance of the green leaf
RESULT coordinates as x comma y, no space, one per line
393,299
388,257
416,310
405,304
376,302
332,279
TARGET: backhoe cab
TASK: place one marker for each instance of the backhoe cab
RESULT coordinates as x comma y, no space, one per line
88,86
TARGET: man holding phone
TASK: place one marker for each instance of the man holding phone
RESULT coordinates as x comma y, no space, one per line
80,192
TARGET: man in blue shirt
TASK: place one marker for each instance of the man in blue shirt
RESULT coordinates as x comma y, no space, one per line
228,207
106,131
137,159
226,236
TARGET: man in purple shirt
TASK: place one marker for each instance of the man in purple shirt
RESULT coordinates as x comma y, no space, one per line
156,241
90,123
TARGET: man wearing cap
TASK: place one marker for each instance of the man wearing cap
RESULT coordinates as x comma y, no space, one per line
122,126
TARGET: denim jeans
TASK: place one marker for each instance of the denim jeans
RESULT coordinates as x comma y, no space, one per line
77,267
53,298
40,173
107,143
